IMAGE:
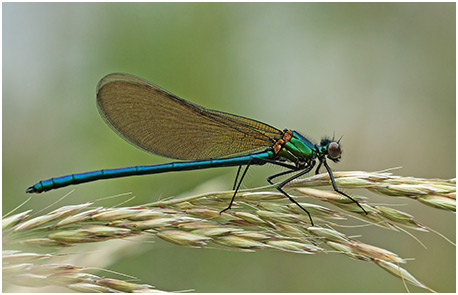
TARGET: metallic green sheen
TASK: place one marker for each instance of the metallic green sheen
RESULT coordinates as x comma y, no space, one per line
298,149
302,149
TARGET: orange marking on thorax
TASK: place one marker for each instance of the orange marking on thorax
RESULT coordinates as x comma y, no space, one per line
279,144
287,135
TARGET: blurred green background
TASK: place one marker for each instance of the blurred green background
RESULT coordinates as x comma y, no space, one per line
382,75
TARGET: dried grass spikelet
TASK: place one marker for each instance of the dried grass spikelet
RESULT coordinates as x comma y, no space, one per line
260,220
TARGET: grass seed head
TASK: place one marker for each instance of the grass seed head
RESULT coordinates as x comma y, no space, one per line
375,252
216,231
22,257
115,214
399,272
251,218
262,196
43,243
438,202
183,238
90,288
399,217
258,221
123,286
238,242
9,269
80,217
11,221
328,234
69,277
292,246
345,249
29,280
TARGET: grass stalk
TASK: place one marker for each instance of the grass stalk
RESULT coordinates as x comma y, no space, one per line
260,220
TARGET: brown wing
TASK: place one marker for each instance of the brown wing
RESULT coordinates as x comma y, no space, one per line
164,124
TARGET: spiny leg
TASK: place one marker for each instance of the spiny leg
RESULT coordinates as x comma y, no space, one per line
236,177
291,168
269,179
238,186
280,186
317,171
335,186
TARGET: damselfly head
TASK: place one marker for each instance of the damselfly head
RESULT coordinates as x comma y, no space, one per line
333,148
334,151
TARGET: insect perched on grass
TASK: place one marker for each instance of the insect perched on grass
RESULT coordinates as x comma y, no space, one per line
159,122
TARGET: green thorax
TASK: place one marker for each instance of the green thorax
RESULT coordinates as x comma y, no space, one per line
299,150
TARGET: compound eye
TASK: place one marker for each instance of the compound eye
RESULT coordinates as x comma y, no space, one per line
334,151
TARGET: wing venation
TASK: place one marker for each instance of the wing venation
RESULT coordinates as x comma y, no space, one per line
164,124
